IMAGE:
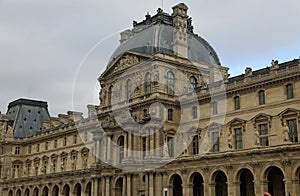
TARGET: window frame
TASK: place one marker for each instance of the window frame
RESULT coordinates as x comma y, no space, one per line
238,138
237,102
17,150
170,114
262,97
215,108
194,112
170,83
264,134
289,91
293,130
147,83
193,83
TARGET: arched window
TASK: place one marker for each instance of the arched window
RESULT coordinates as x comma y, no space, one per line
261,97
128,89
193,82
170,114
111,95
170,83
148,83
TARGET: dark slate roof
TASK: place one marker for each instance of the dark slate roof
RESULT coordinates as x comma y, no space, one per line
27,116
155,34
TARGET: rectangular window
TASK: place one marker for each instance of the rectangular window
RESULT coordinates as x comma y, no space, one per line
17,150
216,141
264,135
195,145
38,148
55,144
171,146
170,114
46,145
75,139
262,98
28,169
194,112
29,149
65,141
54,165
144,140
237,103
238,133
215,108
289,91
293,131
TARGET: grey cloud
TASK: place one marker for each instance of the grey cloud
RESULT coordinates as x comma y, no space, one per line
42,43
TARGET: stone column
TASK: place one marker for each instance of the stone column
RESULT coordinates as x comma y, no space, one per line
129,185
230,185
95,186
102,186
109,155
151,183
152,142
147,146
157,139
107,186
146,184
125,146
104,148
158,184
211,189
129,145
190,189
124,186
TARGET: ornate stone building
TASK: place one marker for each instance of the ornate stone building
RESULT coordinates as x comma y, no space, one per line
170,122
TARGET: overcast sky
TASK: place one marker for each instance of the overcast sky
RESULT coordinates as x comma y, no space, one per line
43,44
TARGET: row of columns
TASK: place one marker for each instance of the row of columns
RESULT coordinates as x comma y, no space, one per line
105,146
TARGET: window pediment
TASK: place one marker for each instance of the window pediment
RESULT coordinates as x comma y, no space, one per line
261,118
289,112
236,122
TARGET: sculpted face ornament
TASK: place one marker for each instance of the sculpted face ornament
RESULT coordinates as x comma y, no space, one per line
147,120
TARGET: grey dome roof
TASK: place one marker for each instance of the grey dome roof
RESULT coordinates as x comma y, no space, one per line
155,34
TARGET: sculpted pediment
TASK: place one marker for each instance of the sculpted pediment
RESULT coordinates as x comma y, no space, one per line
124,61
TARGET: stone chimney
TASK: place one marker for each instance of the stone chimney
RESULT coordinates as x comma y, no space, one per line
180,20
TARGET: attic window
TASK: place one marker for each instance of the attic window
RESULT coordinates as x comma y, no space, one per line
30,127
25,119
29,111
21,126
39,112
34,120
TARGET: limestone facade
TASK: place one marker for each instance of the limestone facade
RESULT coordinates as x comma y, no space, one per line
166,125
